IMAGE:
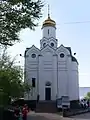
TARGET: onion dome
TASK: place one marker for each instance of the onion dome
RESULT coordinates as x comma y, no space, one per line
49,22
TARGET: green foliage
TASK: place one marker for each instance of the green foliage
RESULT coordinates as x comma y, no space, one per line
27,88
11,84
11,80
16,15
87,96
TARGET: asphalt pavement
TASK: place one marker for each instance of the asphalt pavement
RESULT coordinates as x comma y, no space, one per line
50,116
37,118
45,116
82,116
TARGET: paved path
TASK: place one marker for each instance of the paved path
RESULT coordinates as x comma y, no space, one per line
35,116
48,116
43,116
82,116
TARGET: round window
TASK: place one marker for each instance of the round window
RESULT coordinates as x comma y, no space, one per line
62,55
44,44
33,55
52,44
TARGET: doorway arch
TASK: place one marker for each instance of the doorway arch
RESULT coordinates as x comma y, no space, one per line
48,91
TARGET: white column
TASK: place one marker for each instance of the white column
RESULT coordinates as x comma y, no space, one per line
41,82
55,78
69,76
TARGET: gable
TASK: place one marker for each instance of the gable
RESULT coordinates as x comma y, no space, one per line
53,40
67,51
32,49
43,39
47,49
63,49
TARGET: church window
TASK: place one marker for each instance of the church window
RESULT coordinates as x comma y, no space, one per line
62,55
48,31
52,44
44,44
33,55
33,82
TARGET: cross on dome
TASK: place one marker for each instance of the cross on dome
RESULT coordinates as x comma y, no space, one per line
48,11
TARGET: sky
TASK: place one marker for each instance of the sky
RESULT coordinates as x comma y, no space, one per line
66,13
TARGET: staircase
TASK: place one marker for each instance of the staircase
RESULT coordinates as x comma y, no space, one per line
46,107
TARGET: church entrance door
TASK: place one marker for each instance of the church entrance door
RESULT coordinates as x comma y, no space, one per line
48,93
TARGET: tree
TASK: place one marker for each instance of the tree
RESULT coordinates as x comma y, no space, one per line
27,89
11,81
11,84
16,15
87,96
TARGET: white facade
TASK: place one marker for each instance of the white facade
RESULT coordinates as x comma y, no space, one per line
53,70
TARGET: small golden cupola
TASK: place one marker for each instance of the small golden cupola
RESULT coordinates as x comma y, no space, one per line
49,21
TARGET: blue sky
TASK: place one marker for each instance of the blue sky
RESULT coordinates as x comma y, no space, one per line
77,36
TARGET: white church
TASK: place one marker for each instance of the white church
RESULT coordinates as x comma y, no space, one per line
51,70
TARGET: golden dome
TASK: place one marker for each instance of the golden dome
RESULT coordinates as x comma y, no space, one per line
49,22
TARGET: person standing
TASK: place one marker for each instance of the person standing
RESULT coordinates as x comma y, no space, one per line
24,112
16,113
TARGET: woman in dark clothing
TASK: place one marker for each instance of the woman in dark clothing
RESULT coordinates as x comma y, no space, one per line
17,113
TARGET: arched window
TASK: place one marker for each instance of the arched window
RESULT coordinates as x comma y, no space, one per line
48,31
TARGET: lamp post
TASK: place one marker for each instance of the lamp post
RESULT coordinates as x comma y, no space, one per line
24,66
25,79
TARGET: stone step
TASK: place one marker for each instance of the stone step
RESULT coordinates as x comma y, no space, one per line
46,107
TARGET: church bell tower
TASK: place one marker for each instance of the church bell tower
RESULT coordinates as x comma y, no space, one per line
49,33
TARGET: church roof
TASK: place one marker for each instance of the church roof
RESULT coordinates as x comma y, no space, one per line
29,49
69,48
73,58
48,46
49,22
